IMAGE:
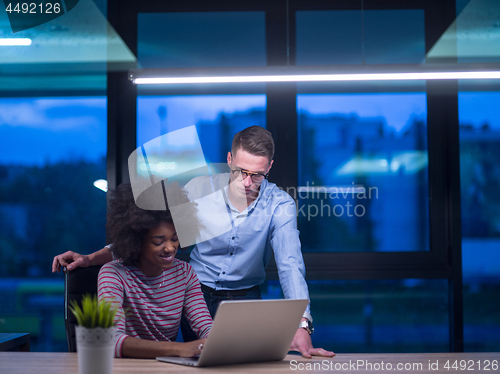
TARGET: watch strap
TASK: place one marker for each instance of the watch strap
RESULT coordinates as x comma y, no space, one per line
307,325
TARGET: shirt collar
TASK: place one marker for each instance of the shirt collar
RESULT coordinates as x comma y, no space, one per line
252,206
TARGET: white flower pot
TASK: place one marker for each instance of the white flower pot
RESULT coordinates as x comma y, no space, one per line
96,349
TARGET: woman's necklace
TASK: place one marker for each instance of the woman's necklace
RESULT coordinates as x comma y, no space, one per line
157,288
149,284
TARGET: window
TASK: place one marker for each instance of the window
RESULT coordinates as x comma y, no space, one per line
56,149
345,37
480,183
216,117
363,172
205,39
193,39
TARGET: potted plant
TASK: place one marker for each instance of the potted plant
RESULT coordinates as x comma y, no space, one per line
95,335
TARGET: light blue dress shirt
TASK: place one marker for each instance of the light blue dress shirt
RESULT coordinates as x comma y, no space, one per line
237,258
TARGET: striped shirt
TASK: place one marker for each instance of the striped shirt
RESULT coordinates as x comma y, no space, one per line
153,305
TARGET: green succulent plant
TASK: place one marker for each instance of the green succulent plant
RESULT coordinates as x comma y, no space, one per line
93,313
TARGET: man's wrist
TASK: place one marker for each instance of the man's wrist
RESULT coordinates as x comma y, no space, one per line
90,258
307,316
306,325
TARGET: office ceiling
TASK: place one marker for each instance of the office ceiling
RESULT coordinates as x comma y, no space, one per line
74,52
71,52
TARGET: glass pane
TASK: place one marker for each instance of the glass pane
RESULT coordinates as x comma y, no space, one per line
473,36
55,149
409,315
479,120
363,172
216,117
341,37
208,39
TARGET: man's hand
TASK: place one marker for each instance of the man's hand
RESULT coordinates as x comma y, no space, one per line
303,344
71,260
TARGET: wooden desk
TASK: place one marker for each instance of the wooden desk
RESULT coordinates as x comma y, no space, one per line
14,342
64,363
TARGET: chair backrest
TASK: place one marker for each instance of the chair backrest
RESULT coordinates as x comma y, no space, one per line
77,283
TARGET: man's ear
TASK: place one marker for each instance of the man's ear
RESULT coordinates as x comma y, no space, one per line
229,159
270,165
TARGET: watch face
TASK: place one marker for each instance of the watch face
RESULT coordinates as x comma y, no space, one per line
308,326
311,327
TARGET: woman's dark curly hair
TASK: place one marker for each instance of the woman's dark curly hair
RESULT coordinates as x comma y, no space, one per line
127,224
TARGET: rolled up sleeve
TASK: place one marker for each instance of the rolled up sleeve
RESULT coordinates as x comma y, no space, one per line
287,253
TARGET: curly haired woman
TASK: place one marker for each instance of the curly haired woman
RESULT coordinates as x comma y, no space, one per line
151,288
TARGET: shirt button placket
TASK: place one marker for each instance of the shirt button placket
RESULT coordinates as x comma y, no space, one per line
232,245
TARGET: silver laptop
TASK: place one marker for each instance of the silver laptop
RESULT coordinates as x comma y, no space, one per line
248,331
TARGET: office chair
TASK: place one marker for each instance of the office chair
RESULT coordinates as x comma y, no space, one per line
77,283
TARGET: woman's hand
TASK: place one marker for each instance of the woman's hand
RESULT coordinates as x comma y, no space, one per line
191,349
143,348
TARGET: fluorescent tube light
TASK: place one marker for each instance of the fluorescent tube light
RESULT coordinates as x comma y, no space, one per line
322,78
271,74
15,41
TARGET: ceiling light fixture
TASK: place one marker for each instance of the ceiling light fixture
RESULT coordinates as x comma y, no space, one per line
271,74
101,184
15,41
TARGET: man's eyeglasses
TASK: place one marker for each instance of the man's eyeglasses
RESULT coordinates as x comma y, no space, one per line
256,177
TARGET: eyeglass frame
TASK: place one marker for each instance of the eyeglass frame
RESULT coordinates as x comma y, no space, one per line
251,174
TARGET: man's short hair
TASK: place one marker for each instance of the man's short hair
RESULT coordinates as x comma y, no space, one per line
255,140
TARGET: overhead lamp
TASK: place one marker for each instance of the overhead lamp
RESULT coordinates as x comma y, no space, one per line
272,74
15,41
101,184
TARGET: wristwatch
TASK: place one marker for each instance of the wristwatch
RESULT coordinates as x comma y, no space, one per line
307,325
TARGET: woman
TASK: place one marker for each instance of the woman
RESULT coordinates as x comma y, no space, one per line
150,287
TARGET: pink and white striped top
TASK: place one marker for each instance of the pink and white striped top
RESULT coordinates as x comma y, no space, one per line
153,305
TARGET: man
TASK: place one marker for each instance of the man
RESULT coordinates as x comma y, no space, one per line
262,220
